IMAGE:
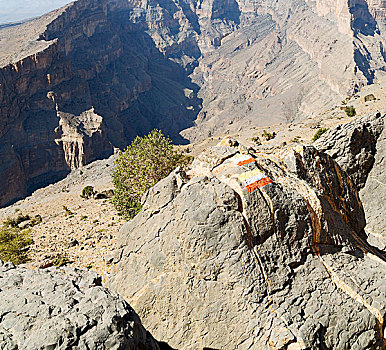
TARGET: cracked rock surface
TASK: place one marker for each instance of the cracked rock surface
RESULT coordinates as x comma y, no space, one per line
359,148
65,308
254,252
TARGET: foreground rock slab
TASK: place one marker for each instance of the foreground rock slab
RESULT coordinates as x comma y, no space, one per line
254,253
65,308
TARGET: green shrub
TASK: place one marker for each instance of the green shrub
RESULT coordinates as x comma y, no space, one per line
35,220
13,242
145,162
88,192
268,136
67,211
14,222
350,111
319,133
296,139
60,260
256,140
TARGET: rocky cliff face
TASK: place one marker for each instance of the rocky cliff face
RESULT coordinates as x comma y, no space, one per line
78,82
271,248
94,86
359,148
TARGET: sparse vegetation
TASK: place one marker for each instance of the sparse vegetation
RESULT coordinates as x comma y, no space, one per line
35,220
14,222
350,111
319,133
256,140
296,139
13,244
67,211
268,135
145,162
60,260
88,192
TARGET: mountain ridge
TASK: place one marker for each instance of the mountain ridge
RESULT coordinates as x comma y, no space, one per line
96,74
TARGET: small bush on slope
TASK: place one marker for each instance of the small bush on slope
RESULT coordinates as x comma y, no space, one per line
87,192
319,133
145,162
13,242
14,222
350,111
268,136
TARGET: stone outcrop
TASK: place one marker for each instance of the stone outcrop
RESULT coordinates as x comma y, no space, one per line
359,148
252,251
65,308
82,80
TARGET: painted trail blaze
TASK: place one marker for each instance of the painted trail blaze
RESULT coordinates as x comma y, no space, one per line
254,179
243,159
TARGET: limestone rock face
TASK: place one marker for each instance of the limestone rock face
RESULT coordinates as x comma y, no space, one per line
359,148
82,80
89,80
254,252
65,308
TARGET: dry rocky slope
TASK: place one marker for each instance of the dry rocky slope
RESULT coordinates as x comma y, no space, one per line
270,247
82,80
271,244
74,229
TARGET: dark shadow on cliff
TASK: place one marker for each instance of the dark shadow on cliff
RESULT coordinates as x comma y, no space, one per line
139,89
364,22
103,61
165,346
363,64
226,10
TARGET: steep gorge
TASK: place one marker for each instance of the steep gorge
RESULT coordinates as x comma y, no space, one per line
80,81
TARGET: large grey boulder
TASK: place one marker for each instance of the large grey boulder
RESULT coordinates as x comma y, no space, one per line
254,253
354,146
65,308
359,148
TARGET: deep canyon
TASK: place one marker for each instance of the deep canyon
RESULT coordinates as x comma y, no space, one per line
83,80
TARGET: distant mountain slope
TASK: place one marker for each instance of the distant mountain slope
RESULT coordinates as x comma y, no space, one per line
19,10
80,81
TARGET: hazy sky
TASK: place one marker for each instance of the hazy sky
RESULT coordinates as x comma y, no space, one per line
15,10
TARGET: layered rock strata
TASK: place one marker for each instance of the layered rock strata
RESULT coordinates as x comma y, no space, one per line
272,249
94,81
65,308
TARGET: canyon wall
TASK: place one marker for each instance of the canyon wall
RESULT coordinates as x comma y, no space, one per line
85,79
98,82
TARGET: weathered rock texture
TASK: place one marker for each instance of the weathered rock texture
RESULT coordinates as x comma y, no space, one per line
65,309
359,148
254,252
92,76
